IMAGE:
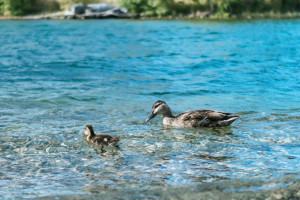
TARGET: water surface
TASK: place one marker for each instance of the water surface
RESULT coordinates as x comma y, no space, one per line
58,76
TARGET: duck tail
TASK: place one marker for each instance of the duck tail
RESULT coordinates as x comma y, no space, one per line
116,139
237,116
228,121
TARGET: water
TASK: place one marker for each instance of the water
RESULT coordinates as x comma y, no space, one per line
58,76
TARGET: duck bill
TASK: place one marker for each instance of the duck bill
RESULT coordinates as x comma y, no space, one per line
150,117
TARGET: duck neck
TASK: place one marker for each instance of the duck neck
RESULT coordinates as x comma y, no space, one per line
91,135
168,113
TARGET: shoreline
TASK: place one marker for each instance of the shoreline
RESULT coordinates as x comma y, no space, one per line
205,16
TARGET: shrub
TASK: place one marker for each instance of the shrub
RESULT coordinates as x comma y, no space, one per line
20,7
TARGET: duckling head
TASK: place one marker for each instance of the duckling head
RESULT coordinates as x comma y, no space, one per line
159,108
89,131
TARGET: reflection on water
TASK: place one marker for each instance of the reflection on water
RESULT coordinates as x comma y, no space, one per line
58,76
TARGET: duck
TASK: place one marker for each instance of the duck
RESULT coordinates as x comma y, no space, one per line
102,139
191,119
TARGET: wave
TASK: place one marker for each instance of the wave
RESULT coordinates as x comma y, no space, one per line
284,188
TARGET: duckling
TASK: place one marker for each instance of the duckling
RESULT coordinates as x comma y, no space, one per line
197,118
103,139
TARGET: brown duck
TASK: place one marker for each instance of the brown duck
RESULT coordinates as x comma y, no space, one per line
102,139
197,118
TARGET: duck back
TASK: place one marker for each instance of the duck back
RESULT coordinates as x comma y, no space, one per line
204,118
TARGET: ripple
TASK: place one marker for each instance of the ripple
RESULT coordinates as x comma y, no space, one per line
212,158
56,80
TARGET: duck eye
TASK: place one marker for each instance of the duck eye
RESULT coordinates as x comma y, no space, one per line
156,106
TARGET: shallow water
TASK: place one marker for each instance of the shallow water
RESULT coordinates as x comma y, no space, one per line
58,76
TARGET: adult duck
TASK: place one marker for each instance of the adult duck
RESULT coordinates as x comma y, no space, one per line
197,118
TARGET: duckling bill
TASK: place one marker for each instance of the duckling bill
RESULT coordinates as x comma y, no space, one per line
197,118
102,139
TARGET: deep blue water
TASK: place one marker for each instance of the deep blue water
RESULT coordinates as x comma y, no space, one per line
58,76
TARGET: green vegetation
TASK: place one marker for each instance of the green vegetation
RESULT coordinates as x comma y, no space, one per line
66,4
215,8
148,8
23,7
167,8
18,7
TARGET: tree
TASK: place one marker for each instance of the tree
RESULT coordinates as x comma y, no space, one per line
148,7
20,7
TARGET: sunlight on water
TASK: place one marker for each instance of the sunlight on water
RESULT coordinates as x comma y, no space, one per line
58,76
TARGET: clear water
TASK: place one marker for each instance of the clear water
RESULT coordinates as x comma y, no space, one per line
58,76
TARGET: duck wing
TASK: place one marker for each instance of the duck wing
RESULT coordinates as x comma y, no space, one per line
106,139
217,115
201,114
200,118
102,139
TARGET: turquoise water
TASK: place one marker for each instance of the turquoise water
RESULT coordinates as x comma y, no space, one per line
58,76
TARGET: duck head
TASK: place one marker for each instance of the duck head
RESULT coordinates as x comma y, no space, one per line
159,108
89,131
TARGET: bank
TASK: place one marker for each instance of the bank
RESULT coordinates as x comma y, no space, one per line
172,9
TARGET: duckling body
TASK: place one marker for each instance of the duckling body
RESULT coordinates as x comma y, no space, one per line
102,139
197,118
